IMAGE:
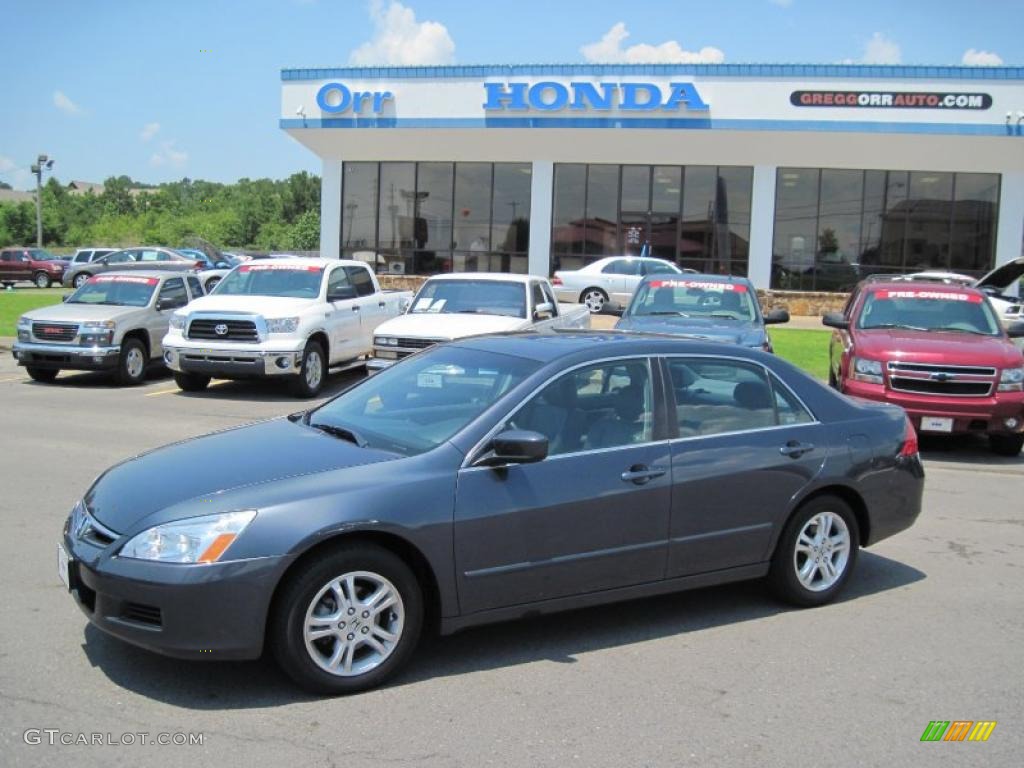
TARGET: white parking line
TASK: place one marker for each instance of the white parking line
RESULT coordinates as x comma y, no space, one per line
213,383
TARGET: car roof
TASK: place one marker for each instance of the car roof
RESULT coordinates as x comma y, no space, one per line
314,261
157,273
546,346
490,276
924,285
699,277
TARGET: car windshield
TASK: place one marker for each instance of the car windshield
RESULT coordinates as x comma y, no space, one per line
923,309
474,297
421,402
291,280
694,298
120,290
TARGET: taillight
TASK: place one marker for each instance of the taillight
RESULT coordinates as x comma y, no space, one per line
556,281
910,446
199,265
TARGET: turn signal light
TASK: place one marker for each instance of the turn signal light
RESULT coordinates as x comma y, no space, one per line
910,446
556,281
216,549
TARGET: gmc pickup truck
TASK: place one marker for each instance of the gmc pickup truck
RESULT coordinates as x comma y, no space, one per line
293,318
454,306
937,350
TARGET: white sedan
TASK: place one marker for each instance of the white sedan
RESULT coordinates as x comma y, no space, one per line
608,282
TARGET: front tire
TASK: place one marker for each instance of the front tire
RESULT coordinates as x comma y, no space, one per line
80,279
42,374
595,300
816,553
347,620
211,284
311,373
41,280
131,365
1006,445
191,382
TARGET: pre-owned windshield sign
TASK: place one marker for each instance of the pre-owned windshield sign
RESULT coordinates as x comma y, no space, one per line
552,96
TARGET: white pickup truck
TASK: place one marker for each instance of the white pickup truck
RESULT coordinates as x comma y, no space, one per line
454,306
293,318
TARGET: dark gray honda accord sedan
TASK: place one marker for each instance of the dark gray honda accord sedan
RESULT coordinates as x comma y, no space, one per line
483,480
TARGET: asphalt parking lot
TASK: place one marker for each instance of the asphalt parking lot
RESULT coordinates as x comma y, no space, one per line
931,629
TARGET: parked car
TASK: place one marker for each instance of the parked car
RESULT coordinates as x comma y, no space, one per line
30,265
609,282
701,306
147,257
113,322
1004,287
933,276
484,480
937,350
85,255
291,318
454,306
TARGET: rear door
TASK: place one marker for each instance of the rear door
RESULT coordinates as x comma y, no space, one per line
591,516
746,447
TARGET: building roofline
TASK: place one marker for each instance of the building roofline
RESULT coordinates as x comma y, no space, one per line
872,71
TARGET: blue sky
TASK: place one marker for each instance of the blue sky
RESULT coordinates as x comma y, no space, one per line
162,90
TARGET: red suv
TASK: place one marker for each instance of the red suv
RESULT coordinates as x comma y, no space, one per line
937,350
30,264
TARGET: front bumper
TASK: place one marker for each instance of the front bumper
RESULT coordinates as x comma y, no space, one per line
236,362
969,414
216,611
66,356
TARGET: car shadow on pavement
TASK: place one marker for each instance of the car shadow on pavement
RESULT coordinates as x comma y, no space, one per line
271,390
964,449
100,379
209,685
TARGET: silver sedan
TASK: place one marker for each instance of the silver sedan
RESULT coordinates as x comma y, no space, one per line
610,282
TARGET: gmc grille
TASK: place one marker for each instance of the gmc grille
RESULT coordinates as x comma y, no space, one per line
237,330
55,331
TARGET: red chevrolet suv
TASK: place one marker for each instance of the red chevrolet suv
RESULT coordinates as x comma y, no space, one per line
939,351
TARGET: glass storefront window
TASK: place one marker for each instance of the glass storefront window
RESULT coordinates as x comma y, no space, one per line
359,207
510,213
835,227
398,230
602,210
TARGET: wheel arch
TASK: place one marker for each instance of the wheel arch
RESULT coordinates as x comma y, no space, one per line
320,336
142,335
847,494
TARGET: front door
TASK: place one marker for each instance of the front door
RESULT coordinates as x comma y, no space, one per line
746,447
591,516
343,317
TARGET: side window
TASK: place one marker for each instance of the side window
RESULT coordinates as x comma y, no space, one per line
601,406
789,409
339,287
658,268
850,302
173,293
715,396
121,258
360,280
616,267
194,286
6,256
537,295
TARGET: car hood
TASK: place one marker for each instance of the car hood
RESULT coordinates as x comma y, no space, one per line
79,313
1003,276
453,326
937,347
201,469
746,334
268,306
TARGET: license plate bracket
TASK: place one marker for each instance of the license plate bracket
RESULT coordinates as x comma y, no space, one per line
936,424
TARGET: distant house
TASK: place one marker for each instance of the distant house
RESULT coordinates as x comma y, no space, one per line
16,196
81,187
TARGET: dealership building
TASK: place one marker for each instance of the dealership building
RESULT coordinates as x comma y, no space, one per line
800,177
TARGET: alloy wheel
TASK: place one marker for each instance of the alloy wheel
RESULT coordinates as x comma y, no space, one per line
134,363
822,551
594,301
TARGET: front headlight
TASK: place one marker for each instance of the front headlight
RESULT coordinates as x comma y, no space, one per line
177,321
24,324
385,341
282,325
97,326
1011,380
195,540
869,371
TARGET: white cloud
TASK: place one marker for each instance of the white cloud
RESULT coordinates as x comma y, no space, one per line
401,40
64,104
881,50
169,154
149,130
973,58
609,50
6,164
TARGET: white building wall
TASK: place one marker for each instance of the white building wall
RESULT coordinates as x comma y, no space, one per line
762,224
542,192
1010,231
330,208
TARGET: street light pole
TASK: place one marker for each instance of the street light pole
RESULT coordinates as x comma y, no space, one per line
43,163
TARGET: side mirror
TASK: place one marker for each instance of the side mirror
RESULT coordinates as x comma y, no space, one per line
544,309
1015,330
168,303
515,446
776,316
341,294
835,320
404,304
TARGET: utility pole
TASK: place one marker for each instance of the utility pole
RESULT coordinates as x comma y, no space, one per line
43,163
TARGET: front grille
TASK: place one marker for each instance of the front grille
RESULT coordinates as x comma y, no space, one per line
55,331
942,380
417,343
142,614
236,330
87,528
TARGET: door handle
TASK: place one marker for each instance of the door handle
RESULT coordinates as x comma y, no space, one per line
381,304
795,449
640,474
355,308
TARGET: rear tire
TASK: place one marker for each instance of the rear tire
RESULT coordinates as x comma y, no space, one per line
191,382
41,374
816,553
80,279
311,373
1006,445
307,594
131,365
41,280
595,300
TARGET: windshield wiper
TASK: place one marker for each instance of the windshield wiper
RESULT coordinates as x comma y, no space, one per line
726,315
469,312
335,431
894,325
667,312
962,330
